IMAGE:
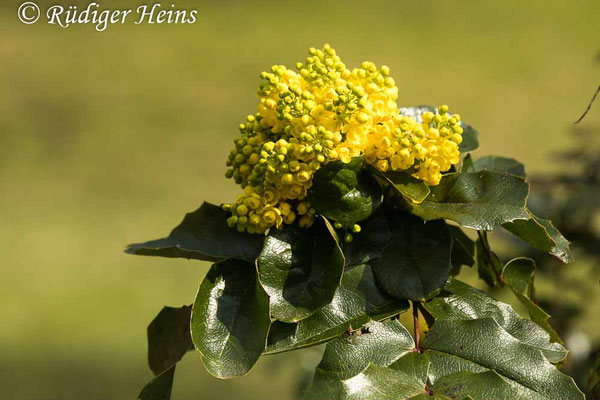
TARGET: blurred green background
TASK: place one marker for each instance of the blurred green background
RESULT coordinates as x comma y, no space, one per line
108,138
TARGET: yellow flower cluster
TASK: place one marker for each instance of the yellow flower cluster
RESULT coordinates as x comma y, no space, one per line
323,112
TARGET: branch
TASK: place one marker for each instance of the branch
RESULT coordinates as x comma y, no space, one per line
487,252
588,107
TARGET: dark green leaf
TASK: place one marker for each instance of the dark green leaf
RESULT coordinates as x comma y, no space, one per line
410,187
352,367
478,200
486,343
470,140
416,260
169,338
300,269
489,265
463,302
345,193
518,274
467,164
497,164
356,301
203,235
463,358
482,386
463,249
470,136
370,242
230,319
541,234
160,387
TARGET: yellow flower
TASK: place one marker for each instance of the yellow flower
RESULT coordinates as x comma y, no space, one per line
324,112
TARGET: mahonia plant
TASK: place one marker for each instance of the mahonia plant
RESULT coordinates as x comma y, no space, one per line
353,211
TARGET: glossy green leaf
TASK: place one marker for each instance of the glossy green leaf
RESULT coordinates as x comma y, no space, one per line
352,367
416,260
160,387
345,193
485,342
460,301
408,186
370,242
230,319
463,358
518,274
203,235
356,301
477,200
470,136
496,164
300,269
541,234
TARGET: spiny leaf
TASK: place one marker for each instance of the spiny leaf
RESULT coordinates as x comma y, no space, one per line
416,260
352,367
496,164
479,200
469,352
230,319
356,301
460,301
300,269
518,274
345,193
541,234
203,235
484,342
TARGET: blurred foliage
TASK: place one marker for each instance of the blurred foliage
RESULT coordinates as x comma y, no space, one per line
106,137
571,199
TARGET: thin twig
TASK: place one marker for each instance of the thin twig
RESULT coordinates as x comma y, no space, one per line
487,252
588,107
415,310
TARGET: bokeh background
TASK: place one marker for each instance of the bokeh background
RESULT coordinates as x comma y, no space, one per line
109,138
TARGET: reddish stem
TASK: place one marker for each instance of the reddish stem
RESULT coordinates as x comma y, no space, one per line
416,326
